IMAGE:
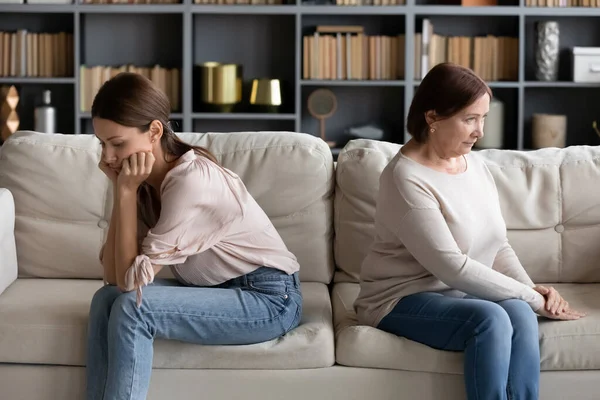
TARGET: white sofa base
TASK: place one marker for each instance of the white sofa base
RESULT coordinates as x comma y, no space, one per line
37,382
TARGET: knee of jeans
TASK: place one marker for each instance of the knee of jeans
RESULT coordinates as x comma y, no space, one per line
105,297
521,314
521,307
495,319
124,314
125,303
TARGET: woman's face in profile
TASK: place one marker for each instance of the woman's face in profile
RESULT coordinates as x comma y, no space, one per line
457,134
119,142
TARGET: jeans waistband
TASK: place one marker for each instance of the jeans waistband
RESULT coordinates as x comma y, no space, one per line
263,274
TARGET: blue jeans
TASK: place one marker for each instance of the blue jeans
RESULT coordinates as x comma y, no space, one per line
500,340
256,307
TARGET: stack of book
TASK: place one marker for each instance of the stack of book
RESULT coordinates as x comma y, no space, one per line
31,54
493,58
92,78
347,53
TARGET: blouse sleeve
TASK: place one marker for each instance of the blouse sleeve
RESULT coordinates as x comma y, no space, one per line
198,206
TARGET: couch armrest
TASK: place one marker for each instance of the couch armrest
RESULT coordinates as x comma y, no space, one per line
8,249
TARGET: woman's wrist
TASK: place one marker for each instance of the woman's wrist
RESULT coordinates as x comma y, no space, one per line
124,190
539,301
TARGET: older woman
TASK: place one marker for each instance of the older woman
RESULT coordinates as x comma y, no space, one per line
440,270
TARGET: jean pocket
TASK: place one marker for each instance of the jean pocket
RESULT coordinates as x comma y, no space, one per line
271,288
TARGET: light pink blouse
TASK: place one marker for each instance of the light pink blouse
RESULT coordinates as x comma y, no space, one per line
210,229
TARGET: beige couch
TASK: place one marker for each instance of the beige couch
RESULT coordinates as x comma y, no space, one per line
551,200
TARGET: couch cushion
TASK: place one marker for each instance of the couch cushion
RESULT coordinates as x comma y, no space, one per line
60,203
564,345
44,321
365,346
358,168
63,201
8,252
549,199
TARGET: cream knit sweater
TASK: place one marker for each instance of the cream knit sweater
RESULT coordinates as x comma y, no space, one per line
442,233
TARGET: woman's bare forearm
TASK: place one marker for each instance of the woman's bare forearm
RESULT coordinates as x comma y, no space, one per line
108,257
126,246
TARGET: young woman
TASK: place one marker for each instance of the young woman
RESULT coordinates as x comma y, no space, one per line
174,205
441,271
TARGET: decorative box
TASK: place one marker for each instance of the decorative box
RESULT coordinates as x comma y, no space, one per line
586,64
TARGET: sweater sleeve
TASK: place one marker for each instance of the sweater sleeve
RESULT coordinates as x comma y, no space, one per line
198,206
508,263
426,235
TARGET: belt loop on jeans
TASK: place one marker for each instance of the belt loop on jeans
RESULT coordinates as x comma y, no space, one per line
296,276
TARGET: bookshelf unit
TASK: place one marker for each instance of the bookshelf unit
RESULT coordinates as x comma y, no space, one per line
268,41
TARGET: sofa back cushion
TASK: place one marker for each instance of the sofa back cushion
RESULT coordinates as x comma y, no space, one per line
8,250
64,202
358,168
550,200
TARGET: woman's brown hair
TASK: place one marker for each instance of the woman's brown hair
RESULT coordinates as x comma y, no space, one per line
132,100
446,89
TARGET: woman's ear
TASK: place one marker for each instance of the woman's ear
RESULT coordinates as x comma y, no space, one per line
156,131
430,117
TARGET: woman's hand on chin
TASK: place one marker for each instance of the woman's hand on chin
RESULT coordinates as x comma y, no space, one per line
108,171
135,170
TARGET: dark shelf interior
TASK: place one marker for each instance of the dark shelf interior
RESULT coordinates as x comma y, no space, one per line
389,25
469,25
30,96
37,22
143,40
264,45
580,105
357,106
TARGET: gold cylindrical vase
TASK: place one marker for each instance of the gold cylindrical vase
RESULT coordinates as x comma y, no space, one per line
265,95
220,85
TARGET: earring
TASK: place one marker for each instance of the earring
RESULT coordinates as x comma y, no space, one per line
432,130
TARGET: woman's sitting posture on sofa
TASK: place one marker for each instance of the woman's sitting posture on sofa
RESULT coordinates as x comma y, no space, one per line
174,205
440,270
